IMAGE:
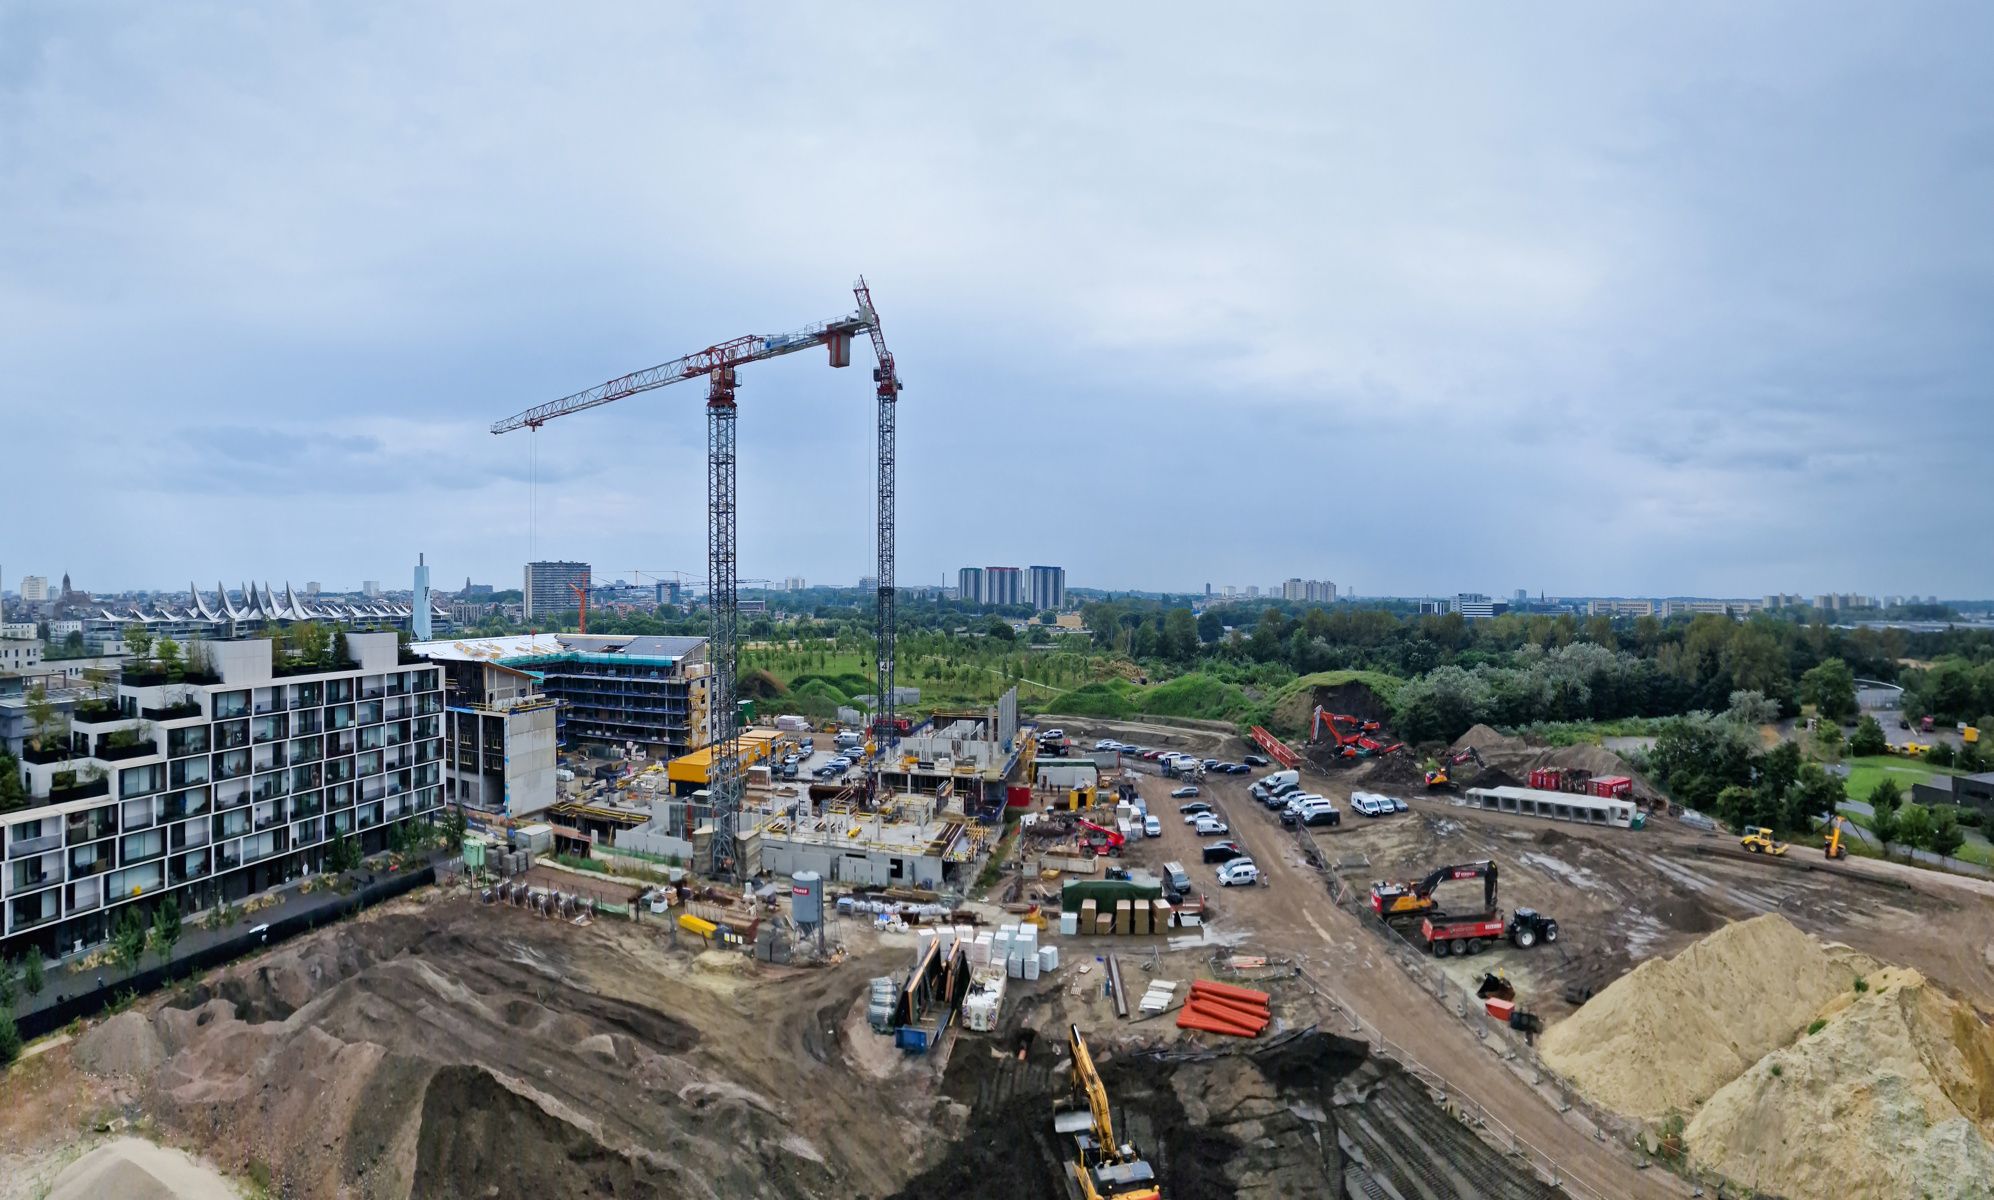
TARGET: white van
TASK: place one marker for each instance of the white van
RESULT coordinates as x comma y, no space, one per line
1276,781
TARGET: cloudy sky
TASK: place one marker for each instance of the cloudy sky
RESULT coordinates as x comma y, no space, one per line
1598,299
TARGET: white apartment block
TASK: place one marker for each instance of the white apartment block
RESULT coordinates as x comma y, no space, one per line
214,790
1620,608
1723,608
34,589
20,655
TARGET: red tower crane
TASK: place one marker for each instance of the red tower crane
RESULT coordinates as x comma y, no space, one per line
720,365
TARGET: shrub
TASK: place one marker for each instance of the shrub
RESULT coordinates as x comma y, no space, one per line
1777,1071
1819,1024
1862,985
10,1037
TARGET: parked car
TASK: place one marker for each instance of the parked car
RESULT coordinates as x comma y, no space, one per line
1052,735
1237,872
1370,805
1255,760
1151,827
1185,793
1238,769
1322,816
1210,764
1152,755
1398,805
1219,852
1210,825
1194,810
1105,744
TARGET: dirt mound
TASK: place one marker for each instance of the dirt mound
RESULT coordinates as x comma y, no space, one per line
134,1169
1353,698
122,1045
482,1051
1899,1080
1487,741
479,1138
1670,1033
1596,759
1395,770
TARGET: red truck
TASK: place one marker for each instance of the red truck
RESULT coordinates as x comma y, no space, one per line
1525,928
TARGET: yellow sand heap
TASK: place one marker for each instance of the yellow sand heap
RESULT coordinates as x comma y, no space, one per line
1667,1035
1893,1096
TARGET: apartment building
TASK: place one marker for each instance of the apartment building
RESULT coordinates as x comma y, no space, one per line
501,738
550,587
1047,587
1620,608
213,791
617,690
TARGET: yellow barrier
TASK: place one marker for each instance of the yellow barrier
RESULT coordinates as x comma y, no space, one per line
699,925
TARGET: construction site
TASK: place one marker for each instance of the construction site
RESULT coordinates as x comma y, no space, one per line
960,954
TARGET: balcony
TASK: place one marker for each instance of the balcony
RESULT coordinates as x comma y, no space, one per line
172,712
231,825
187,867
21,880
109,752
269,787
23,847
180,743
85,896
24,918
232,736
95,866
268,758
189,836
269,729
92,826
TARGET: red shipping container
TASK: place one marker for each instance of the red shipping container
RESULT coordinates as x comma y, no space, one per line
1500,1009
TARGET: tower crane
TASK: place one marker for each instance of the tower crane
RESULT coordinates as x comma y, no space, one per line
720,365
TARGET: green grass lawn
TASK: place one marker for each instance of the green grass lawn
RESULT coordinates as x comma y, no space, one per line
1866,773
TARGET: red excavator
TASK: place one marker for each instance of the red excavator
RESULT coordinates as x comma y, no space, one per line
1389,899
1440,778
1110,842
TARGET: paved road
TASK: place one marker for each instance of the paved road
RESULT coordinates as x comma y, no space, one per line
1295,917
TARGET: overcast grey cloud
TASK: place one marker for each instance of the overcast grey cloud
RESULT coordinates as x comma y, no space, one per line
1592,299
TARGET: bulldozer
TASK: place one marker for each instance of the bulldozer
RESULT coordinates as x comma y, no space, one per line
1834,848
1103,1167
1761,841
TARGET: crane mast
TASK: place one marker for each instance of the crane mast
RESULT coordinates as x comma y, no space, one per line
720,364
887,389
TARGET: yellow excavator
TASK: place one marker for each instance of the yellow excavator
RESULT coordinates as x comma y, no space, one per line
1834,847
1105,1169
1761,841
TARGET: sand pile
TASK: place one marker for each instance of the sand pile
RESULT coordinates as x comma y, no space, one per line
134,1169
1667,1035
1893,1096
121,1045
1487,741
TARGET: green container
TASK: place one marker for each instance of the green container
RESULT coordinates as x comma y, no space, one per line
1105,893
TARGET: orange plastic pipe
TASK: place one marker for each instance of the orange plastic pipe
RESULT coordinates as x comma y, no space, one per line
1227,989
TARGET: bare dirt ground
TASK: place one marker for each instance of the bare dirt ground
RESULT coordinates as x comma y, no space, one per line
441,1048
1620,896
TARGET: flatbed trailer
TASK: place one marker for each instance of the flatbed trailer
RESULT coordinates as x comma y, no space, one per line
1470,934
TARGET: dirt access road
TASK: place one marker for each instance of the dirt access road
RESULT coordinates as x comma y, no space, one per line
1294,916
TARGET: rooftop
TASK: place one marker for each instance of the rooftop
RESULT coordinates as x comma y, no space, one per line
502,650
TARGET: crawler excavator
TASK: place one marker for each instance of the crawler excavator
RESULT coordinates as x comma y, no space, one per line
1389,899
1440,778
1104,1168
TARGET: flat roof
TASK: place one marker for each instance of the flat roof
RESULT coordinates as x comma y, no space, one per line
1540,795
546,645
